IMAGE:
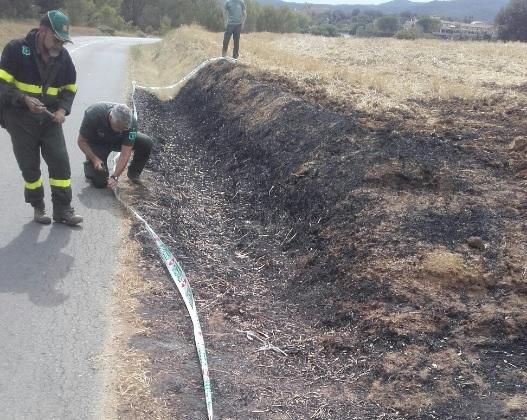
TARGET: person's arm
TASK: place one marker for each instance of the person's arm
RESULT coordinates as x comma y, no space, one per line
67,92
86,149
124,157
244,14
9,94
225,14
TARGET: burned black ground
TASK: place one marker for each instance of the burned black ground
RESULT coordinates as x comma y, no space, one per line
345,244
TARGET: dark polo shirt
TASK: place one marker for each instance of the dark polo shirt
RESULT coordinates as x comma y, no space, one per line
96,127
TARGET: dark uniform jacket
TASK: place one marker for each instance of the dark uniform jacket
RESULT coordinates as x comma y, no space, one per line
22,72
96,127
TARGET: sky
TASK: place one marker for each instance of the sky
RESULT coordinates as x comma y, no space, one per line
349,1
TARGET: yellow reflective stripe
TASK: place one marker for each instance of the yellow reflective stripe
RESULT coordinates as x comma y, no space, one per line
61,183
24,87
71,88
35,89
8,77
52,91
34,185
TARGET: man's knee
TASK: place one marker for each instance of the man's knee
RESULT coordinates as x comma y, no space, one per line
143,143
99,179
89,170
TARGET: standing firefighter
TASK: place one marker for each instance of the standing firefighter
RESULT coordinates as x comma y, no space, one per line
108,127
37,88
234,13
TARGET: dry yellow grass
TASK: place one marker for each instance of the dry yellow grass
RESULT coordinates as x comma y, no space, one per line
10,29
374,74
128,393
14,29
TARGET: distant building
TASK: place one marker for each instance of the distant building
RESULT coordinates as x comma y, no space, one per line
459,30
409,24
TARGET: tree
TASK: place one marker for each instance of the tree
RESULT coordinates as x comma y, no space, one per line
387,25
108,16
429,24
208,13
131,10
45,5
79,11
16,8
151,17
406,16
512,21
165,25
7,9
253,14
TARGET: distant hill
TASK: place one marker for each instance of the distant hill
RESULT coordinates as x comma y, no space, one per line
485,10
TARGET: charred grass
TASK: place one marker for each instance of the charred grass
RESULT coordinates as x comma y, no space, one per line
384,256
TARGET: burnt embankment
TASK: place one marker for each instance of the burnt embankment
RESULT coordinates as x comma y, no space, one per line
388,263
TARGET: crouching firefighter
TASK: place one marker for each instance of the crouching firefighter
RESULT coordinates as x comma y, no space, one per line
37,88
108,127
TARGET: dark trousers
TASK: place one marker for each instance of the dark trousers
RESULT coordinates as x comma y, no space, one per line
142,148
234,31
32,135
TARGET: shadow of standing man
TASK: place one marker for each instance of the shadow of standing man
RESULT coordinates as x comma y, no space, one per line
36,268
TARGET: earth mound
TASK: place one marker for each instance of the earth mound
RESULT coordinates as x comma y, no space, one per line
387,263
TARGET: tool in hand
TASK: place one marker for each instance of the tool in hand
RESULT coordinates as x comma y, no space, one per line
49,113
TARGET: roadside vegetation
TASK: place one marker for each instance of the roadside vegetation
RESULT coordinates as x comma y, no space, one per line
370,75
11,29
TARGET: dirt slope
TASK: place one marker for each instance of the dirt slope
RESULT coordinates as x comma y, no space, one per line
385,257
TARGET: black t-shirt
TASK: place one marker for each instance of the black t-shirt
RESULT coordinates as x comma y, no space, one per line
96,127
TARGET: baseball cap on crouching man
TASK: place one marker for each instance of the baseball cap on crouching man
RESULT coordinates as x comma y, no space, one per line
59,24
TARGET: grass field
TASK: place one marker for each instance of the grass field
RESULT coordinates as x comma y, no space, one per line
371,74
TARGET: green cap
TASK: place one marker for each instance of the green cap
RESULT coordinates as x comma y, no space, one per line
60,24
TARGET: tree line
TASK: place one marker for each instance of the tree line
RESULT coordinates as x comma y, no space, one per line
159,16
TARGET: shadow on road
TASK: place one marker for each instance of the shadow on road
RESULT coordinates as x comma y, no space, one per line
97,199
35,268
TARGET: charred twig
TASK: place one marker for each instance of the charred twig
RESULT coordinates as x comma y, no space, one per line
287,236
319,411
266,344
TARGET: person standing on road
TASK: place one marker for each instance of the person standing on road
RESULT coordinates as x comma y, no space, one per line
234,13
108,127
37,88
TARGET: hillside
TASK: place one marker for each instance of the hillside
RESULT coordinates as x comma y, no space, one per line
485,10
374,233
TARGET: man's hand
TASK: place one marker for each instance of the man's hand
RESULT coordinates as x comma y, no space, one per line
59,116
112,182
34,105
98,164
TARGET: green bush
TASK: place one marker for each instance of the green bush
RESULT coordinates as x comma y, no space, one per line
106,30
324,30
387,25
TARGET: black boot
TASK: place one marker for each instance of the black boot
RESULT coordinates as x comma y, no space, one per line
40,215
67,216
134,177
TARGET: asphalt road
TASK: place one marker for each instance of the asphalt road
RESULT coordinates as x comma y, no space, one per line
55,281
